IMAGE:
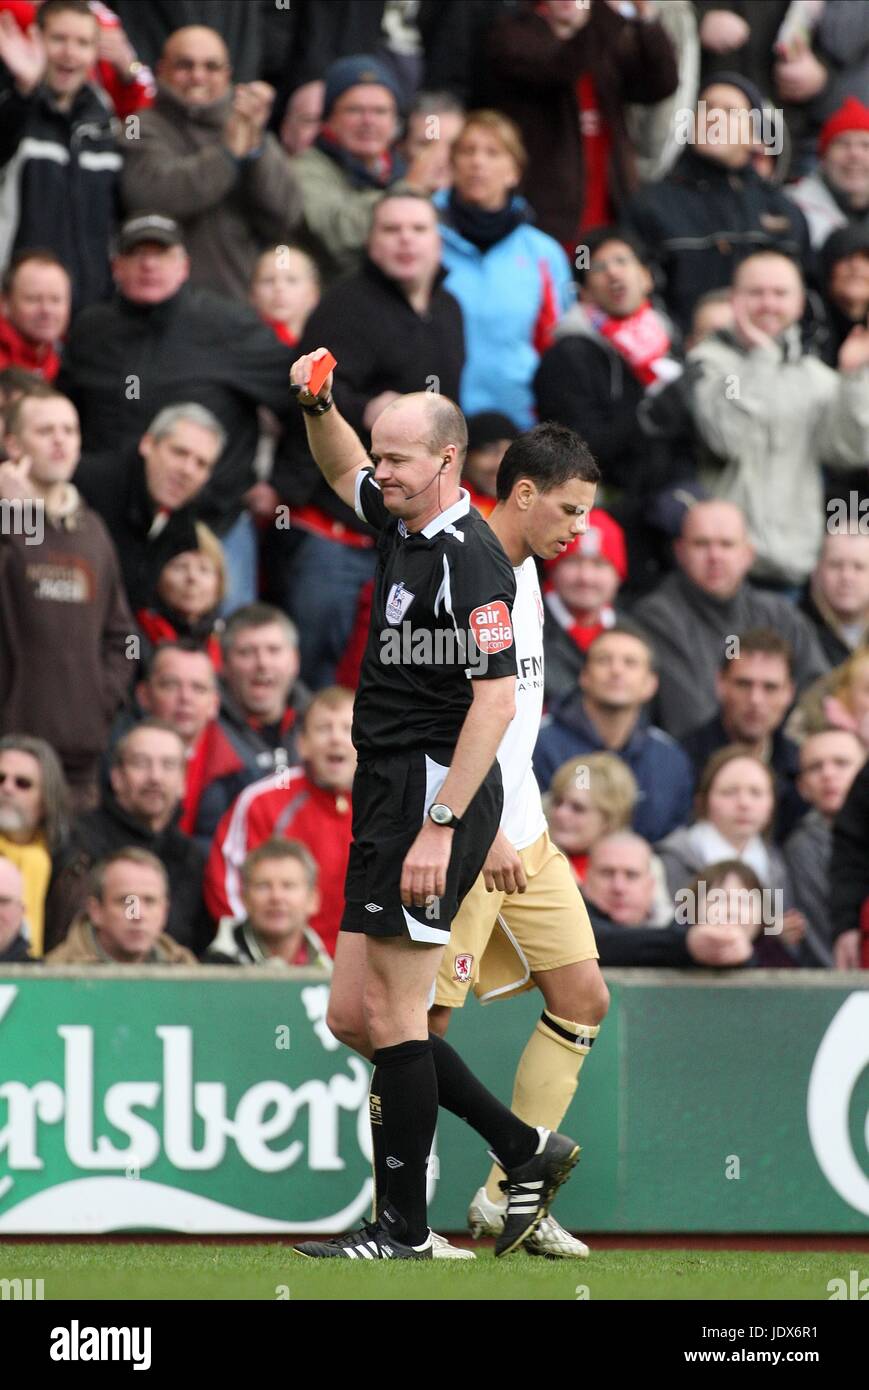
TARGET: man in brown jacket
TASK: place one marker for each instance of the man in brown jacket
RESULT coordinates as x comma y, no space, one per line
64,620
124,917
202,156
563,71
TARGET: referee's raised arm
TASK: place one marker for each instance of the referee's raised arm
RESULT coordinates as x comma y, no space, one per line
336,448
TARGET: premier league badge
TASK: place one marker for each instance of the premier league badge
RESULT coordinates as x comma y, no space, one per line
398,603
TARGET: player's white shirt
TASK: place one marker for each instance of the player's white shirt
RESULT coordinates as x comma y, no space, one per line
523,820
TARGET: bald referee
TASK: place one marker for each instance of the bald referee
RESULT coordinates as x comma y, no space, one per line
431,709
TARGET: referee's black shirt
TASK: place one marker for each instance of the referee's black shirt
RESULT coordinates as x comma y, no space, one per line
452,578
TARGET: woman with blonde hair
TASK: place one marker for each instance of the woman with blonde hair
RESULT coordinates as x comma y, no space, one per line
589,796
837,700
847,704
513,282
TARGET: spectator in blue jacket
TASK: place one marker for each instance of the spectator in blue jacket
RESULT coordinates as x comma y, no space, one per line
513,282
607,712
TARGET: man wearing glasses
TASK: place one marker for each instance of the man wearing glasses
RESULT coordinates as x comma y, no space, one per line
34,825
203,157
343,174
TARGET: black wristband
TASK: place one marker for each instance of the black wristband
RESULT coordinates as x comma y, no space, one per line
319,407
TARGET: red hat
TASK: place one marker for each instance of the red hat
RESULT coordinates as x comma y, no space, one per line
604,537
851,115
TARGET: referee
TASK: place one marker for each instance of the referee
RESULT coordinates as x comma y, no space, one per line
427,797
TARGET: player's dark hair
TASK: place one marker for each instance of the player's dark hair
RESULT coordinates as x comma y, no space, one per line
763,640
549,455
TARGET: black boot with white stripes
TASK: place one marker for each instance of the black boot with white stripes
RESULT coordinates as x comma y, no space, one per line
376,1241
531,1187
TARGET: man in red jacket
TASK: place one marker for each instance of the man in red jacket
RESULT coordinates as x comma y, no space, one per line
310,803
34,313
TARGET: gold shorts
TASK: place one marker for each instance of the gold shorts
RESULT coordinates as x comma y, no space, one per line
498,940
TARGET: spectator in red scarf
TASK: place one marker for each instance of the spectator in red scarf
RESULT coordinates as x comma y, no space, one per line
261,705
579,597
563,72
181,688
285,289
35,313
613,375
610,349
190,590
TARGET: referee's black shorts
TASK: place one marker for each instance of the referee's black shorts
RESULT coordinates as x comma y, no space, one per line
391,797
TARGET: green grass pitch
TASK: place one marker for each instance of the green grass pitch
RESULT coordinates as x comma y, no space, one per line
273,1272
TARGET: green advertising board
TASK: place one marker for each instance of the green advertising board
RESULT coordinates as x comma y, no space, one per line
215,1101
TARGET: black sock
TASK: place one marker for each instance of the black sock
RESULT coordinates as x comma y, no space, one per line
405,1082
512,1140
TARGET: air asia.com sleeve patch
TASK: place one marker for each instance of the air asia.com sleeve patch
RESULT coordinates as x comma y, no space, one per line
492,627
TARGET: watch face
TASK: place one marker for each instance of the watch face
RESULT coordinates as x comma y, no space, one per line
441,815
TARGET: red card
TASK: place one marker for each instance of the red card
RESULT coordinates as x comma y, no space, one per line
321,369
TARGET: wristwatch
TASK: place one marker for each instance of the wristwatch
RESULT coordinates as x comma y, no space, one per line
442,815
319,406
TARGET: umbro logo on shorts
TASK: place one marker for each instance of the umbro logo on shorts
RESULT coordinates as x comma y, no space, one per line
373,907
394,1162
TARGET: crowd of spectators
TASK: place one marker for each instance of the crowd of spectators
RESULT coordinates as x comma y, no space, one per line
645,219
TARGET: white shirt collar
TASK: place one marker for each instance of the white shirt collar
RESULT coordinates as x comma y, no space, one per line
443,519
